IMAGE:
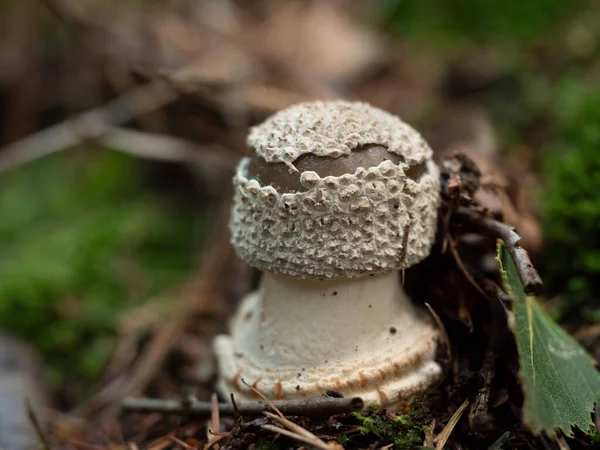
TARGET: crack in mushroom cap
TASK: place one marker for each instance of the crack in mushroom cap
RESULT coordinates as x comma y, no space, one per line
333,129
345,226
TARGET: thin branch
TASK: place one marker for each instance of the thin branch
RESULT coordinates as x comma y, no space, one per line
43,441
461,266
532,283
181,443
160,147
266,400
294,427
318,444
444,435
443,331
312,407
215,417
89,125
150,146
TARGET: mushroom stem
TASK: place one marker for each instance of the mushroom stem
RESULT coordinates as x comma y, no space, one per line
310,336
332,319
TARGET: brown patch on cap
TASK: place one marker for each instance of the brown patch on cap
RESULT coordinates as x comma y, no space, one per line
278,174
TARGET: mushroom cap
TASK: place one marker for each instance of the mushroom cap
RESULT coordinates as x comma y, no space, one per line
332,129
340,226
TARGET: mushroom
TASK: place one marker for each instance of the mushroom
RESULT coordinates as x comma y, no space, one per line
336,199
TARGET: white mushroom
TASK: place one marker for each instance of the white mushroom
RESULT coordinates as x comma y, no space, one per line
338,197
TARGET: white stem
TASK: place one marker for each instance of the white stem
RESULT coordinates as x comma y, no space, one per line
291,323
295,338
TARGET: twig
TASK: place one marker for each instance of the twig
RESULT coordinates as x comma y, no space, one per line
38,428
181,443
444,435
442,328
315,443
261,395
562,442
294,427
462,267
312,407
428,439
236,411
532,283
215,420
494,330
90,125
161,147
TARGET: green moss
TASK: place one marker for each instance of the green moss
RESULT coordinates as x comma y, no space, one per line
402,431
451,22
571,199
376,426
83,240
344,440
266,444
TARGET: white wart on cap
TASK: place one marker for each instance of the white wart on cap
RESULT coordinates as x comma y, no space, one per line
336,226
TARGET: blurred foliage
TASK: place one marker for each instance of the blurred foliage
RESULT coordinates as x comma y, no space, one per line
83,239
572,200
539,67
451,22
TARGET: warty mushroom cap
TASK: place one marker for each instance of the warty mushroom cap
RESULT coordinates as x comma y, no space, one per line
338,226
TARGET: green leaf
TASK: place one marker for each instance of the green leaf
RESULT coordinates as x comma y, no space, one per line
499,443
560,382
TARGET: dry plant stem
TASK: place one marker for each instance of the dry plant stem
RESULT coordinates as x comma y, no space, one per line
444,435
293,427
443,331
160,147
315,443
262,396
89,125
487,372
528,275
428,440
312,407
214,415
181,443
44,445
461,266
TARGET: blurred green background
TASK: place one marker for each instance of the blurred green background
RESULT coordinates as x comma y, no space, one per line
90,233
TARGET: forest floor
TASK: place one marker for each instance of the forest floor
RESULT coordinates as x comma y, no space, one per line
120,129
